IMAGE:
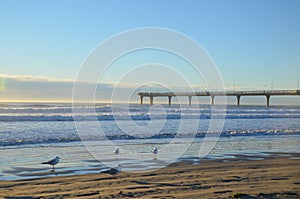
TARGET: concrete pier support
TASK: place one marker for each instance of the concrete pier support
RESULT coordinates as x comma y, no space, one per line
151,100
212,101
238,99
268,101
141,97
190,100
170,100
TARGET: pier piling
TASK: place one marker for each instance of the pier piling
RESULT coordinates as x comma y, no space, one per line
212,100
268,101
238,98
141,97
151,100
190,100
170,99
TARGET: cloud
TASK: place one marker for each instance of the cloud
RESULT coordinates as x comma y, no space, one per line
26,78
2,84
30,88
26,88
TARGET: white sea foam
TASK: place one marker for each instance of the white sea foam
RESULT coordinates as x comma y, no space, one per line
53,123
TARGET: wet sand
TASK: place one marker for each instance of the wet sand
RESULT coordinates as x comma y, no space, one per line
277,176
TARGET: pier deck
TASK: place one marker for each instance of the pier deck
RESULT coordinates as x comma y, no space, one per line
213,94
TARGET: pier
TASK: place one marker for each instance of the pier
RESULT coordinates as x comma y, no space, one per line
213,94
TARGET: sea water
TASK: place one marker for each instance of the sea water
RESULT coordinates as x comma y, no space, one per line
31,133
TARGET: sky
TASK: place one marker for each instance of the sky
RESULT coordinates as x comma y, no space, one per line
255,44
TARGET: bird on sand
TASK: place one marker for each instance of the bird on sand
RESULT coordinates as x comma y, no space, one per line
113,171
155,151
117,151
52,162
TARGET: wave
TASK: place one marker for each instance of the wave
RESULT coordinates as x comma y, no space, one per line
53,123
143,116
76,138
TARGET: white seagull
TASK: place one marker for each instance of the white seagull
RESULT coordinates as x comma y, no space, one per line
52,162
113,171
155,151
117,151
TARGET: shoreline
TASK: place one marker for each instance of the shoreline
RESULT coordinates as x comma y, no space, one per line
276,176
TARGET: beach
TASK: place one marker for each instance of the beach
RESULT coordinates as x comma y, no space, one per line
273,176
256,154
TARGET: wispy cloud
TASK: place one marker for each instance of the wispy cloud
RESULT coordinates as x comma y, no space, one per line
26,78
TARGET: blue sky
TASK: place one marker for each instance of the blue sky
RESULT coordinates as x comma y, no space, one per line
253,43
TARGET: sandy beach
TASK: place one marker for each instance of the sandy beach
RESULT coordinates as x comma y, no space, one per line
277,176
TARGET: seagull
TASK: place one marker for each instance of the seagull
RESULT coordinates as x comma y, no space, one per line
155,151
113,171
117,151
52,162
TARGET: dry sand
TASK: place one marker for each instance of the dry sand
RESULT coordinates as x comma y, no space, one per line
275,177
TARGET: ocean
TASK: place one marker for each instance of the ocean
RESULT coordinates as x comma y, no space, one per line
31,133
